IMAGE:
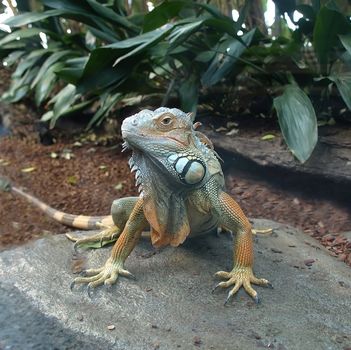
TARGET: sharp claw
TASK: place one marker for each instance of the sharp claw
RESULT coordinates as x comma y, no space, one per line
72,285
83,273
215,288
270,285
130,275
257,299
228,299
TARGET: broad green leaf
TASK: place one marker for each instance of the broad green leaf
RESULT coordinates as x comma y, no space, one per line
31,17
20,34
297,120
189,93
13,57
205,56
48,63
20,86
145,41
341,76
63,101
46,83
70,75
111,15
68,5
82,12
28,62
346,41
343,83
329,24
316,4
47,116
100,73
227,54
211,9
102,35
73,70
107,101
183,31
161,14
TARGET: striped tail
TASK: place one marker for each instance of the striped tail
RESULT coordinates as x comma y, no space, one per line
77,221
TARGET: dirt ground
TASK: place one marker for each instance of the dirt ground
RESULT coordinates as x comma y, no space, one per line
80,176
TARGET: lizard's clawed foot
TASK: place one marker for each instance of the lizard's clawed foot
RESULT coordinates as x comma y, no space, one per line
105,237
106,275
240,277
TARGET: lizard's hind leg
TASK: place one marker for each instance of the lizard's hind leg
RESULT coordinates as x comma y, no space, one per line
120,210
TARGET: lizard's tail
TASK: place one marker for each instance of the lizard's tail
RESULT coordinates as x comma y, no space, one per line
77,221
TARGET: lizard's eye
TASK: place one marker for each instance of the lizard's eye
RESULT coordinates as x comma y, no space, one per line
166,120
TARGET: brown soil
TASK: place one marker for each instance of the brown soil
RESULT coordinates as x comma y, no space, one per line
95,175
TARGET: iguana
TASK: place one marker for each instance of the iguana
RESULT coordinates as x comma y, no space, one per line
181,188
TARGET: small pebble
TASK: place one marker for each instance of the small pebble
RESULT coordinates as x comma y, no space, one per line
111,327
309,262
197,341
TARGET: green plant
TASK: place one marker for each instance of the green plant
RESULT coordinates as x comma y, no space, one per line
99,57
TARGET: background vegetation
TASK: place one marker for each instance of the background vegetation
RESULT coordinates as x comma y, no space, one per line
95,56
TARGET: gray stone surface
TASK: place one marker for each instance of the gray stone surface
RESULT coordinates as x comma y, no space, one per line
170,305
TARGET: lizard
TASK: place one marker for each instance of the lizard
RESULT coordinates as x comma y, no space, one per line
181,194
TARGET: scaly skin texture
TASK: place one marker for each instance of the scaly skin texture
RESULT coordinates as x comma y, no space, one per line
181,187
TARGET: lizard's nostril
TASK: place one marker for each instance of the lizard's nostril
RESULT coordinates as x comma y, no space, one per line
134,122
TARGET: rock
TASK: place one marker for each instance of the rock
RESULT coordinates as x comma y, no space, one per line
309,307
330,159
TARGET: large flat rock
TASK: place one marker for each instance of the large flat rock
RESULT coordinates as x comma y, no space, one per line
170,305
331,158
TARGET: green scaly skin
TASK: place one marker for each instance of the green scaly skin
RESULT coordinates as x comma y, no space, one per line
181,187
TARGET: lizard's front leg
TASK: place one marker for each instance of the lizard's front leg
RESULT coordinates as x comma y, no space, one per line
126,242
233,218
121,210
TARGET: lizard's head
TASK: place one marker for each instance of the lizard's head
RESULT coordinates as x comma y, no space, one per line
168,139
162,129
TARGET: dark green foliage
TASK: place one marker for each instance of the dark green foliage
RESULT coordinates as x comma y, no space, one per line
297,121
97,56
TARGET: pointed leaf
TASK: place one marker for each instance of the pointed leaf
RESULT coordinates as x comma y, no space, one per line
64,99
343,83
161,14
298,122
346,41
30,17
329,24
189,93
228,53
106,104
20,34
111,15
48,63
142,42
13,57
46,83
